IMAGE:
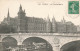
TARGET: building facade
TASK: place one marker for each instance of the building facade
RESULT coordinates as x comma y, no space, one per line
25,24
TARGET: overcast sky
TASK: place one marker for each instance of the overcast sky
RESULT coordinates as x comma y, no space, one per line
36,8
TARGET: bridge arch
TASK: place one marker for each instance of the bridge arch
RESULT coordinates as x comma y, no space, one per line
38,43
9,42
71,46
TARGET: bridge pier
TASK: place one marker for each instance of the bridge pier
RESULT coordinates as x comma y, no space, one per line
1,46
56,47
19,43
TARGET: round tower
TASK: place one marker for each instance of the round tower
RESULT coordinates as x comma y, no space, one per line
53,24
48,26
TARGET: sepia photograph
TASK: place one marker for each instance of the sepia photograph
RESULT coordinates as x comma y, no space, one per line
39,25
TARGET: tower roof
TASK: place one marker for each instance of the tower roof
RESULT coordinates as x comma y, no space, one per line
53,18
63,20
48,18
20,8
8,15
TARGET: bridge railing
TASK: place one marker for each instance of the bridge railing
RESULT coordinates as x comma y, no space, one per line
44,34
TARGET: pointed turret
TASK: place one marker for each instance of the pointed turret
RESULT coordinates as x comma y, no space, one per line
53,19
64,28
48,26
20,8
8,15
53,24
63,21
48,20
21,13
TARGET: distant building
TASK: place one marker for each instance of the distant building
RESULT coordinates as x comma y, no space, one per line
78,29
25,24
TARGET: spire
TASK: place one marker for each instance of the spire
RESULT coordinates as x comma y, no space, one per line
8,13
20,8
48,18
8,17
48,25
21,12
53,24
53,19
63,20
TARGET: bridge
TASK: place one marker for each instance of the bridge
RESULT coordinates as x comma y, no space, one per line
57,41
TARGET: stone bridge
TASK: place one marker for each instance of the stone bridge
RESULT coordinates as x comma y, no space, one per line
58,41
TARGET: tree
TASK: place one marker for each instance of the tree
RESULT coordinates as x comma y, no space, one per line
4,28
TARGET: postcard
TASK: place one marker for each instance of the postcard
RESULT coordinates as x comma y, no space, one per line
39,25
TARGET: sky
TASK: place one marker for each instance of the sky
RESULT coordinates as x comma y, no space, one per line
39,8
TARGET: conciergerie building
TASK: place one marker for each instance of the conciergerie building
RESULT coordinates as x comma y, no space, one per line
25,24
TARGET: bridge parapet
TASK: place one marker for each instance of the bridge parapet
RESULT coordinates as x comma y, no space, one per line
44,34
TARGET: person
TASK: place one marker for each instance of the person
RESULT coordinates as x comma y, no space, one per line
73,7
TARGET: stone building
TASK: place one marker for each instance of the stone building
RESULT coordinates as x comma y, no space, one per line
78,29
25,24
